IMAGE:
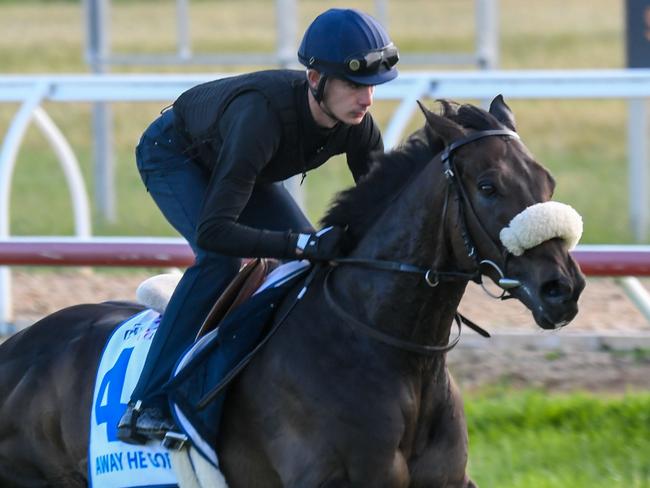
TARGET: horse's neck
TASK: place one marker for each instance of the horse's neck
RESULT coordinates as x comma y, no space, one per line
409,231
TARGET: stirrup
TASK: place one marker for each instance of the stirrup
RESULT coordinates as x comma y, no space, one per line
129,433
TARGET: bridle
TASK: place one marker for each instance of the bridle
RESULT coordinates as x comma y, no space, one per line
466,209
432,276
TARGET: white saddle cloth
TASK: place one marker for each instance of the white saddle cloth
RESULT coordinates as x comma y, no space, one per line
112,463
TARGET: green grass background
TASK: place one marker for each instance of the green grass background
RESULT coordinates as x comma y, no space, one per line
531,439
517,438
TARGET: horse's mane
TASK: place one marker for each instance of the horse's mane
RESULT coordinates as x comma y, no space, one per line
359,206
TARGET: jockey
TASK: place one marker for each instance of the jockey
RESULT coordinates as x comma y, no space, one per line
214,163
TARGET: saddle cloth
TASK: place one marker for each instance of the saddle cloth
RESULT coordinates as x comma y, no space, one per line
112,463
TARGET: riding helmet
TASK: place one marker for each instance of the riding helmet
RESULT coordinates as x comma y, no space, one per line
349,44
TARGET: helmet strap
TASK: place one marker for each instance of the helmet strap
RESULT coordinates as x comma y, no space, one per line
319,96
319,91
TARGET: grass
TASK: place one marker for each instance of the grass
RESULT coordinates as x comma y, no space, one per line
582,142
533,439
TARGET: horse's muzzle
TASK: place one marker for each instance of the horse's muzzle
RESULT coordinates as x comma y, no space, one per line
558,299
551,284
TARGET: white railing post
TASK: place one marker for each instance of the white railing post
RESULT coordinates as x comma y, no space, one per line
30,109
487,33
8,155
71,171
638,173
183,41
637,293
381,12
286,20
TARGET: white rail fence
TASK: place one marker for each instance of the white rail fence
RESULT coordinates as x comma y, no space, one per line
32,91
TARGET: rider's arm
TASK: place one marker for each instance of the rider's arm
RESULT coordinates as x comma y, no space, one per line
250,133
364,139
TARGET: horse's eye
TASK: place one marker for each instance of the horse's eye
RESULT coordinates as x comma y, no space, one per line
487,189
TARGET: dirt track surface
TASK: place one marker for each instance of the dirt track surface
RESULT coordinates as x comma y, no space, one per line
604,309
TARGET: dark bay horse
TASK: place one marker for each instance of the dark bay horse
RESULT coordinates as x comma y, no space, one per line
353,389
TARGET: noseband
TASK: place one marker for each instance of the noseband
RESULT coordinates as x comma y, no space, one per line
433,276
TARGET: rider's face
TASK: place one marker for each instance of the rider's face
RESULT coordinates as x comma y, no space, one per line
348,101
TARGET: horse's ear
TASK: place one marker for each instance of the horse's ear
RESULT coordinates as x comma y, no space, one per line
502,112
441,126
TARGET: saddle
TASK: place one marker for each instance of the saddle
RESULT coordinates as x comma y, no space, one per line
241,288
156,291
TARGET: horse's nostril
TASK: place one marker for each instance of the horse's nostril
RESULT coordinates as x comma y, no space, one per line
558,291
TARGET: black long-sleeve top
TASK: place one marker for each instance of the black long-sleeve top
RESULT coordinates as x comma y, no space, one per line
248,144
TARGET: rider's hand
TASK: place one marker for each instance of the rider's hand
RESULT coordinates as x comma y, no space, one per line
323,245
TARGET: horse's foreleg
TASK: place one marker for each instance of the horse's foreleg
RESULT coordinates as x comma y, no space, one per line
443,462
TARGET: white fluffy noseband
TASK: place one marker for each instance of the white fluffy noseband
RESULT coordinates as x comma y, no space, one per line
539,223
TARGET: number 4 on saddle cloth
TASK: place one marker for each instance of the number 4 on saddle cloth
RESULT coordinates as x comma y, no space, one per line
236,326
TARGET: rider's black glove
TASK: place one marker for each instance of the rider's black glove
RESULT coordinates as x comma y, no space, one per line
323,245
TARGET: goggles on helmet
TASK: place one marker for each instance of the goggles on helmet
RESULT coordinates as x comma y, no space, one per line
370,62
362,64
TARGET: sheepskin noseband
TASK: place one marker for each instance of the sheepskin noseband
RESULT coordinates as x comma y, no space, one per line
539,223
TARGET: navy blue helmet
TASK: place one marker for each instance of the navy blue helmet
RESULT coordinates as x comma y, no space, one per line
349,44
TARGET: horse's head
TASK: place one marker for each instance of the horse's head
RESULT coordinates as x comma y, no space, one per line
505,212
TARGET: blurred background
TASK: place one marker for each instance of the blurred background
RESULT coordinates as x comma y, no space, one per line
542,413
583,142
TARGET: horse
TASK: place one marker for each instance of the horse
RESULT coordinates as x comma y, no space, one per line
353,388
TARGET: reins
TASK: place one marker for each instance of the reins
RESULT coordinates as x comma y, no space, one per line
382,336
430,276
